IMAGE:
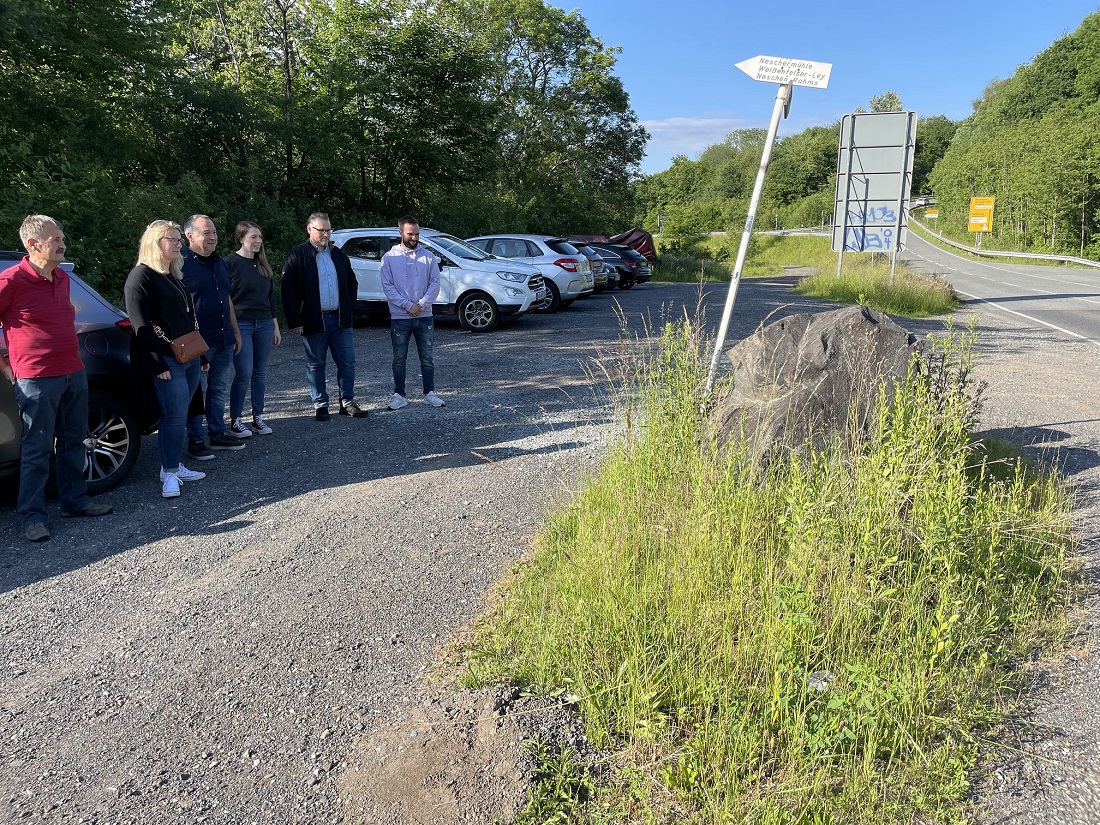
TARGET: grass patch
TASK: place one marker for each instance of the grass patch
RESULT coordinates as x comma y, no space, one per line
864,281
826,640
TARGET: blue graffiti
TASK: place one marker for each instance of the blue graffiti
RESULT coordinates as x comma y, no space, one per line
874,215
868,240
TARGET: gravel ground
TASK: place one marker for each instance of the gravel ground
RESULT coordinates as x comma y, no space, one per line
226,657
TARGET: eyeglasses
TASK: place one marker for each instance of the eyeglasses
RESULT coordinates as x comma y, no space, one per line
173,240
321,231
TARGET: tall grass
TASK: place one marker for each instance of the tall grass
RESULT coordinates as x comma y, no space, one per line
824,640
869,281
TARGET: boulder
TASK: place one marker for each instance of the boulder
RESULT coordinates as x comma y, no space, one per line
810,378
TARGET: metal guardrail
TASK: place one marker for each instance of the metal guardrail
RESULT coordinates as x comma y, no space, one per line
1038,256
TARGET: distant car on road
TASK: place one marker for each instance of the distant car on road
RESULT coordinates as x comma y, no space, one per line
120,405
475,288
567,272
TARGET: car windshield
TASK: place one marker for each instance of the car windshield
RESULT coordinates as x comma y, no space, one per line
459,248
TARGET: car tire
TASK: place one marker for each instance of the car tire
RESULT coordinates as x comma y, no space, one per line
113,442
552,302
626,284
477,312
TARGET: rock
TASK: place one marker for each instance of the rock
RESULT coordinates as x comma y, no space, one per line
808,378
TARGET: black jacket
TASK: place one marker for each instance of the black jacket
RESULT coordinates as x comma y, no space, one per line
302,295
160,300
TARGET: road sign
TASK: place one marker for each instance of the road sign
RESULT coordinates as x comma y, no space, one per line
787,70
981,214
931,213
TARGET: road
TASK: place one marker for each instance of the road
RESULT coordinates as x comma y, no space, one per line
1062,299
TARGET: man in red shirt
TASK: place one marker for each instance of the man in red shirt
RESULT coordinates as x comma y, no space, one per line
43,363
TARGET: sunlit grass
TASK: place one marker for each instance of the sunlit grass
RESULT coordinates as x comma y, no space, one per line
823,640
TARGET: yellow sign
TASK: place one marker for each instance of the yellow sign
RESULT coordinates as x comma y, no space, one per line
931,213
981,214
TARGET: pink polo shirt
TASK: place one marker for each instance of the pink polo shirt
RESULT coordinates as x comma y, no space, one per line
39,322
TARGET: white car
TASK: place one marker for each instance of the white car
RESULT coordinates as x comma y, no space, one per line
473,286
567,271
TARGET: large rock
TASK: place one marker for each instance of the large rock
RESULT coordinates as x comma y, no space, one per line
810,378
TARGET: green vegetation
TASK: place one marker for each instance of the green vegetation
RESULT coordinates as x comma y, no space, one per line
476,115
828,639
868,281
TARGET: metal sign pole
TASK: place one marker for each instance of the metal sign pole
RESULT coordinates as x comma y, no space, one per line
782,99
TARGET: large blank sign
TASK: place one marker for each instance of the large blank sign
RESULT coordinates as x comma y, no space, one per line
873,176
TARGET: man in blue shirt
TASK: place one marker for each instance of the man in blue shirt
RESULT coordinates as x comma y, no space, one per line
205,275
319,292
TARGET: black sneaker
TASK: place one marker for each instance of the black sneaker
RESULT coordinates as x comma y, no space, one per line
353,409
321,414
199,451
224,441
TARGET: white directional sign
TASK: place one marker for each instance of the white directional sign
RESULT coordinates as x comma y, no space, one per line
787,70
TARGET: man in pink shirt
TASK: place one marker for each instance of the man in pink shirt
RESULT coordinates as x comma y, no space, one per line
43,363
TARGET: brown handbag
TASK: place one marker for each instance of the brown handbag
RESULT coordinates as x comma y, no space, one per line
187,347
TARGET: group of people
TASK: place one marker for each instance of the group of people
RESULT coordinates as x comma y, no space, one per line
179,286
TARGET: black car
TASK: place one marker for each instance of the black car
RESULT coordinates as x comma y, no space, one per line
120,407
600,270
632,266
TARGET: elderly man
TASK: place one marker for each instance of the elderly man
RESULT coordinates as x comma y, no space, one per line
319,292
205,275
43,363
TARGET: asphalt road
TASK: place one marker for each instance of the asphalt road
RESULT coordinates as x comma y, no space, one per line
1063,300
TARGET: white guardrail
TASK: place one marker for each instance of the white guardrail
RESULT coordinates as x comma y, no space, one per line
988,253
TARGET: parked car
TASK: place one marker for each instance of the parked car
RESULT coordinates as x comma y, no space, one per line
475,288
121,408
631,265
567,272
599,269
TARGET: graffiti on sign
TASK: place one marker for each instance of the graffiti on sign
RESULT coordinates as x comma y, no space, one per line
874,215
867,239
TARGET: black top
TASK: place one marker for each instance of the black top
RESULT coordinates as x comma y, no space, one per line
302,294
253,293
153,299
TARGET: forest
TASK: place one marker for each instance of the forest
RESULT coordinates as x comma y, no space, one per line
475,115
1031,143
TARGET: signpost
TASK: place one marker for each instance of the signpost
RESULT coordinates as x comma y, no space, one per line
788,73
981,216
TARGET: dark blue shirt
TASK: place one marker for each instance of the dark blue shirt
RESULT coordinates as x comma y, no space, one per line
208,281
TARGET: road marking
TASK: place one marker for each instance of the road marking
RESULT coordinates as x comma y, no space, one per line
1069,332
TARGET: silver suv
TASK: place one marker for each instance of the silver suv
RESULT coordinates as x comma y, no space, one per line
567,272
476,289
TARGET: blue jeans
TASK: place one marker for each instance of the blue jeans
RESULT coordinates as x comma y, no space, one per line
52,409
340,342
215,386
250,365
173,396
423,330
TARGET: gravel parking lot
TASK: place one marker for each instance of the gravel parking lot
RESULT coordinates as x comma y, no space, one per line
218,657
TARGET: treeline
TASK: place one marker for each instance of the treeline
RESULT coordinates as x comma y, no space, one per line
712,194
476,115
1031,143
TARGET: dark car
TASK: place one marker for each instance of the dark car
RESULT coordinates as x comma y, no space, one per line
632,266
120,407
599,268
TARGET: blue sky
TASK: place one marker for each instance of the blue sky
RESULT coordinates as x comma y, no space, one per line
677,60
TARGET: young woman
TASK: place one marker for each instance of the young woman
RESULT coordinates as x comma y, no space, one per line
161,309
252,288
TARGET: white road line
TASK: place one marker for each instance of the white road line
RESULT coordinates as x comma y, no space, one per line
1069,332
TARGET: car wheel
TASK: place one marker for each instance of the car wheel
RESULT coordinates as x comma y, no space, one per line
477,312
553,298
626,284
113,442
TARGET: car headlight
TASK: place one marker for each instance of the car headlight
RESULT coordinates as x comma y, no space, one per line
514,277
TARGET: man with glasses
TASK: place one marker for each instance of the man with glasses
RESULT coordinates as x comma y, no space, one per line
319,291
43,363
205,276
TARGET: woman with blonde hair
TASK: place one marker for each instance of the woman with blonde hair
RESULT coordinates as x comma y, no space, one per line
161,309
252,289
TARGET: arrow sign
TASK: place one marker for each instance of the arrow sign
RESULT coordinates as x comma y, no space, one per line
787,70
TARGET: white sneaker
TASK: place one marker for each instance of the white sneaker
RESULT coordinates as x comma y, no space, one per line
434,400
397,402
260,426
239,429
171,488
183,474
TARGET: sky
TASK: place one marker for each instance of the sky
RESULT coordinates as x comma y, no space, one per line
678,58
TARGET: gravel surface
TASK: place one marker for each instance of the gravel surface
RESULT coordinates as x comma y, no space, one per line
227,657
